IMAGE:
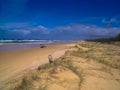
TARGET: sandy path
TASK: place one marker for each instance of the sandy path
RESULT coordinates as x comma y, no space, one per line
12,63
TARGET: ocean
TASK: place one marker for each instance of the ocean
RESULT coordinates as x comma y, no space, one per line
10,45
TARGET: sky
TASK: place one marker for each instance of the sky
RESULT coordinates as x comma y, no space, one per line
59,19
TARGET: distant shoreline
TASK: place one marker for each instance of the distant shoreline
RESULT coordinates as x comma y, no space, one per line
11,45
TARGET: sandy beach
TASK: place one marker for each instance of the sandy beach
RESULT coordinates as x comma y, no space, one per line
83,67
16,63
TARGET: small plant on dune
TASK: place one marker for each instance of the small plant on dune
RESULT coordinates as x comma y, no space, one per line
44,66
26,84
34,76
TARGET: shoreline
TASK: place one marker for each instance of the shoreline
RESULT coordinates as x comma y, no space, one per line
8,47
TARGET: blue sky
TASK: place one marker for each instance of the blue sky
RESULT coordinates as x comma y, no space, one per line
59,19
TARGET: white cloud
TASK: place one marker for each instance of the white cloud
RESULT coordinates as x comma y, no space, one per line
40,29
85,31
70,31
113,20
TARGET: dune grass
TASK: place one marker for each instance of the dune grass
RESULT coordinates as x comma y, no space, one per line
106,54
67,63
102,53
27,82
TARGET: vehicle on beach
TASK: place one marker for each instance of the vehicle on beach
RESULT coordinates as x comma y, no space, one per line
42,46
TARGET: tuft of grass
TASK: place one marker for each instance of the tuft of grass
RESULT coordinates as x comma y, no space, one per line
44,66
26,84
35,76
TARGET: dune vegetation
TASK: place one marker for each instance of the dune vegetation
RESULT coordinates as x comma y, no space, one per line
86,66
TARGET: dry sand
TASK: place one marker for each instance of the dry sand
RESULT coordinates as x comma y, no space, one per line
12,63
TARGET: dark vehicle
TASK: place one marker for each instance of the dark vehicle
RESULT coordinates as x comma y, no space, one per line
42,46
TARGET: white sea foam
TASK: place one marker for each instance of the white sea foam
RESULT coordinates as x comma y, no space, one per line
25,42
